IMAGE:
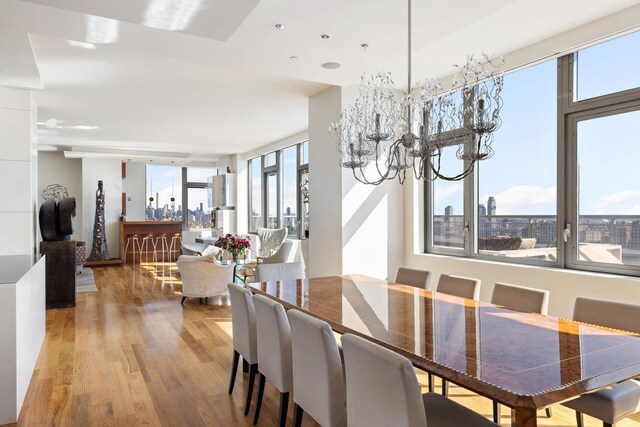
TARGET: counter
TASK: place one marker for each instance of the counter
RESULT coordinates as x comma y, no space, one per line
143,228
22,329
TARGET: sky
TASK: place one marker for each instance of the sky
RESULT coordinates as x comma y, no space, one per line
522,173
167,180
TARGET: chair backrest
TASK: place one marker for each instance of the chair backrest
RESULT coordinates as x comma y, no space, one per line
281,255
270,240
382,388
282,271
615,315
520,298
464,287
243,323
318,376
274,343
203,278
412,277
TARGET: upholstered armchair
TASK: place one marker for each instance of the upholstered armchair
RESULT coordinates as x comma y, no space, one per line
270,240
203,277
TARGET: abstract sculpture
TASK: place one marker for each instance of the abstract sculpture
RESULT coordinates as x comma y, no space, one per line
55,192
99,250
56,219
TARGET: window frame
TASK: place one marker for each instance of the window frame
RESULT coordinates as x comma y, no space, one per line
569,112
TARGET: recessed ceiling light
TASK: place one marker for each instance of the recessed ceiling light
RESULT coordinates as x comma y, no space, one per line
324,36
293,58
331,65
279,27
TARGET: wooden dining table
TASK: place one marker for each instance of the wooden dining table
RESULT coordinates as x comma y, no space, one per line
522,360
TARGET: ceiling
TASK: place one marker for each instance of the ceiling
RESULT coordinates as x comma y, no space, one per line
214,77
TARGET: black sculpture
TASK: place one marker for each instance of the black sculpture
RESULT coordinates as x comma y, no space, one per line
99,250
56,219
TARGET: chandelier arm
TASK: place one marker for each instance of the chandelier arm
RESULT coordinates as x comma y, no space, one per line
458,177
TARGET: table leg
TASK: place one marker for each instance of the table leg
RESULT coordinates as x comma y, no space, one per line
524,417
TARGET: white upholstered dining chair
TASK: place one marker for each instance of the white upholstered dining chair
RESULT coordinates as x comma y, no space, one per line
318,375
281,271
243,323
619,401
274,353
382,390
413,277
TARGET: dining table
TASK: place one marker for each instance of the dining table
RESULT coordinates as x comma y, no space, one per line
525,361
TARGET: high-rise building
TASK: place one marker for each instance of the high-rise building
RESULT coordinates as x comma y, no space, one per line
482,210
491,206
448,211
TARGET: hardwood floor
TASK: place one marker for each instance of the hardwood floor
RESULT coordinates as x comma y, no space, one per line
131,355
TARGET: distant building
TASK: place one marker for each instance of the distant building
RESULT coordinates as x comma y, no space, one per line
448,211
482,210
491,206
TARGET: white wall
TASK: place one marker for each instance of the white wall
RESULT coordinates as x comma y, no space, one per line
54,168
134,186
16,198
110,172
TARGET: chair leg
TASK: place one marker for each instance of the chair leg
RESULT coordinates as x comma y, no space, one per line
430,375
445,388
298,412
234,370
496,412
579,419
253,369
284,408
548,412
259,401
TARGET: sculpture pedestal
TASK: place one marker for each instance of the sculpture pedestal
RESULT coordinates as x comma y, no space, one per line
61,273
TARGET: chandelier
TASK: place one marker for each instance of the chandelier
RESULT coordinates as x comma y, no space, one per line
380,138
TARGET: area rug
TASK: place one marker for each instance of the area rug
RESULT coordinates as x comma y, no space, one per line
85,281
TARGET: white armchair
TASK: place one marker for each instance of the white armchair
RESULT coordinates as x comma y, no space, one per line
202,278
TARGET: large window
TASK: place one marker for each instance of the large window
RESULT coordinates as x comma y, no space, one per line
561,189
179,194
278,187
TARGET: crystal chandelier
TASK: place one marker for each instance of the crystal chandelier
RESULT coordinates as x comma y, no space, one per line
382,139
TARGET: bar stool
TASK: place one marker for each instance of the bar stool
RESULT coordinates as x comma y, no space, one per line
161,238
147,240
133,240
176,239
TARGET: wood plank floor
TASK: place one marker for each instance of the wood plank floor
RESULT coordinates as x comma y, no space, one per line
131,355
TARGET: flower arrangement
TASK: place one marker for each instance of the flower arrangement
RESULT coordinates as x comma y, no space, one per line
235,245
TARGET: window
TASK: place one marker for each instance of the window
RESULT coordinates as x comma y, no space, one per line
561,189
175,187
278,186
517,186
164,186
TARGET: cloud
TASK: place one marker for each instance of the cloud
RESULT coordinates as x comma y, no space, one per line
604,205
446,192
525,200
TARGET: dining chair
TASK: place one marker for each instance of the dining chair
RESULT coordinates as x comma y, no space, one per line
520,298
464,287
413,277
383,390
318,374
280,271
619,401
274,352
243,323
